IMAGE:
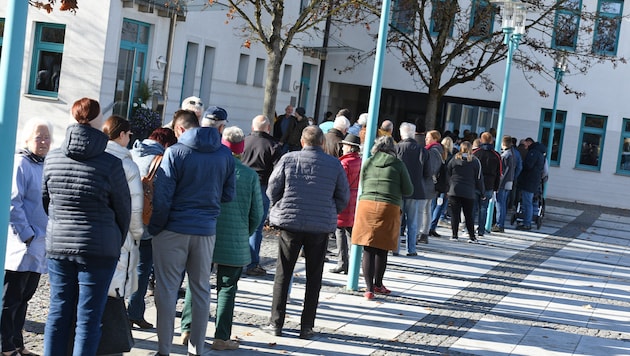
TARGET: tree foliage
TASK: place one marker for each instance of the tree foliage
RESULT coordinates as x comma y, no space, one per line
48,5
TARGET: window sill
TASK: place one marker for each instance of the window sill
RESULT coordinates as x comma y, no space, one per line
586,169
42,97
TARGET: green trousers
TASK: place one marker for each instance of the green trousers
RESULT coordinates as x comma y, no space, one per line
227,280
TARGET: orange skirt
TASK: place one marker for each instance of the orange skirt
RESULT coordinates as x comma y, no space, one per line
376,224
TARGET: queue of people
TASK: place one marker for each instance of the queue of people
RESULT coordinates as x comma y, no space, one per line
84,224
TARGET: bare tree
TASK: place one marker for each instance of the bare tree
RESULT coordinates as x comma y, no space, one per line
442,44
48,5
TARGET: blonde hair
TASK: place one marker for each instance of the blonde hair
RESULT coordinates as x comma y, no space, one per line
447,143
465,147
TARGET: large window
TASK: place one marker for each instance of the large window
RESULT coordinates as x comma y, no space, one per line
567,22
591,145
286,78
443,14
47,56
471,118
190,70
607,26
403,16
243,66
623,167
259,72
558,133
481,19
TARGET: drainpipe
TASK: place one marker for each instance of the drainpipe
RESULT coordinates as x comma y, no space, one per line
169,57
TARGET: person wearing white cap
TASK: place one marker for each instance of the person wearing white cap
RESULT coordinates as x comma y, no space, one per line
194,104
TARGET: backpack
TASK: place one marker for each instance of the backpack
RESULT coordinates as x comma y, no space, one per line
441,181
147,189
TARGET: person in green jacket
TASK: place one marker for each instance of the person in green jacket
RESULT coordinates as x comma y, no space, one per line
237,221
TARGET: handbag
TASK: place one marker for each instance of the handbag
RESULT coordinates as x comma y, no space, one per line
115,328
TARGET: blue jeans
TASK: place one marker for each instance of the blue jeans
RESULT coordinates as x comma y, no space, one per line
438,210
527,203
256,239
410,213
502,196
483,211
81,286
136,305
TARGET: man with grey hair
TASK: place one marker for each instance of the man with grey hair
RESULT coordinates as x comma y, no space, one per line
387,128
214,117
357,126
261,153
416,159
334,136
307,190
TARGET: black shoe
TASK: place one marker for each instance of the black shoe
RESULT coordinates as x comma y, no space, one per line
412,254
394,253
434,233
424,239
453,238
307,334
271,329
473,240
338,270
142,324
523,228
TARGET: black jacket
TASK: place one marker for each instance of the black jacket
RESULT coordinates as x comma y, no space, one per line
490,165
416,159
261,153
464,177
533,165
86,196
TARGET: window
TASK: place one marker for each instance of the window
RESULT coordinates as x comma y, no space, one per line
206,73
623,167
304,4
190,70
473,118
558,133
403,16
286,78
443,14
1,33
481,19
566,25
259,72
243,63
591,145
47,55
607,26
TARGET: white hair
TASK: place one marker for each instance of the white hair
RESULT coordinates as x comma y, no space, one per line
363,118
407,130
233,134
29,128
341,123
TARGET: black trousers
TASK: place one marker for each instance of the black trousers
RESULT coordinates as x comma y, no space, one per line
289,246
19,288
457,204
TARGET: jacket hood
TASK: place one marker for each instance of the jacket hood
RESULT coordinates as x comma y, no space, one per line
486,146
83,142
202,139
382,159
147,147
117,150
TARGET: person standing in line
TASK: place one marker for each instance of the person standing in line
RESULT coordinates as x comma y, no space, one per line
491,170
193,104
416,160
125,280
88,222
307,190
295,131
439,209
529,181
237,221
351,163
25,258
437,156
261,153
465,178
384,182
196,175
334,136
508,162
282,123
143,154
356,128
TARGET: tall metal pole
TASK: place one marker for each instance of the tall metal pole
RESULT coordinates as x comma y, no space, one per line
169,60
373,109
559,72
10,81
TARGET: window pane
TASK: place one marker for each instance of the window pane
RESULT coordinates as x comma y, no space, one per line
610,7
482,20
596,122
571,5
1,27
625,153
566,30
129,31
144,34
48,71
123,82
53,34
606,34
589,154
627,126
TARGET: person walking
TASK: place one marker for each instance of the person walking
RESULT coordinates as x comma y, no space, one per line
384,182
465,178
86,196
307,190
25,258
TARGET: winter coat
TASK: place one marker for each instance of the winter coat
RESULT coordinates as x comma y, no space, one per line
465,177
530,178
416,159
435,162
125,279
86,196
239,219
295,134
332,142
26,216
385,178
143,154
508,163
307,189
351,163
490,165
195,177
261,153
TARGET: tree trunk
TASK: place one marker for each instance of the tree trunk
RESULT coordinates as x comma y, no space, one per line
433,102
271,84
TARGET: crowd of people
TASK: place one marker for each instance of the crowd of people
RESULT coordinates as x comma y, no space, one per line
79,211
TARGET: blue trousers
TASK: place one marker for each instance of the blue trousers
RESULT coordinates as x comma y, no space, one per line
256,239
136,305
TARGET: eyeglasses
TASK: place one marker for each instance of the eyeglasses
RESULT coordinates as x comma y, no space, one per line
195,103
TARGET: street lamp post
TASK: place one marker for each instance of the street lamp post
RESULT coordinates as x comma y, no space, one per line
513,15
559,67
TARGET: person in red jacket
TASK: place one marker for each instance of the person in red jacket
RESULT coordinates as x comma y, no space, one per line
351,162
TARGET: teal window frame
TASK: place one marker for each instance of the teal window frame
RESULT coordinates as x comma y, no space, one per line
567,15
432,28
558,136
623,163
607,19
402,16
476,7
1,34
40,46
582,156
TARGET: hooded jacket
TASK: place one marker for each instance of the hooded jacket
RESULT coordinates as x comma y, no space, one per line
385,178
195,177
533,164
86,197
351,163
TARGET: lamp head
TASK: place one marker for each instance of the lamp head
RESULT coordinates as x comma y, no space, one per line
561,62
513,15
